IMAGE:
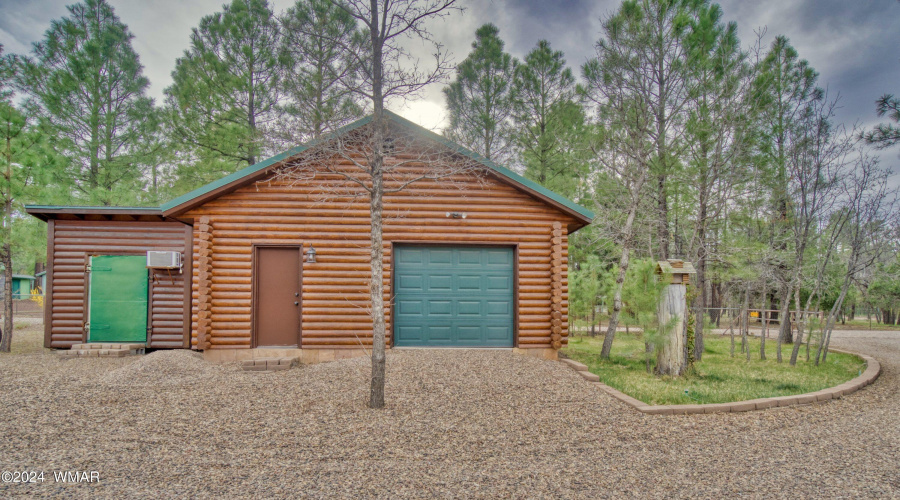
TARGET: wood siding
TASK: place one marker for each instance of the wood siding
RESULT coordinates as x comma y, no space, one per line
335,289
70,243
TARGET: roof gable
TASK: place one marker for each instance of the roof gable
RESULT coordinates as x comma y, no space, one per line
259,170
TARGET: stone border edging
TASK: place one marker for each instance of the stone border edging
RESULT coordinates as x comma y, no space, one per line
873,370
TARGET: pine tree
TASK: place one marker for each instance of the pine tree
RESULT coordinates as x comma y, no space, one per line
481,100
318,37
785,88
25,165
550,123
224,93
885,135
717,129
86,84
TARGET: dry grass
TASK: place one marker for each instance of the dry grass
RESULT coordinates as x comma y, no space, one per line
459,424
719,378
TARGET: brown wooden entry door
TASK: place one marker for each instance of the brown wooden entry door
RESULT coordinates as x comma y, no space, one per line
277,297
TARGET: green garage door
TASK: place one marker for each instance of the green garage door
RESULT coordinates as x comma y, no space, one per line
118,298
453,296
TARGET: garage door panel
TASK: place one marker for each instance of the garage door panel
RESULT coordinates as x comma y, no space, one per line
411,256
497,333
440,333
411,282
409,307
440,282
436,256
468,283
440,308
469,308
498,283
413,333
465,293
471,333
498,308
470,257
499,258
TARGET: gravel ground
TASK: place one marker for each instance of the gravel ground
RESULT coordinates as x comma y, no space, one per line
458,424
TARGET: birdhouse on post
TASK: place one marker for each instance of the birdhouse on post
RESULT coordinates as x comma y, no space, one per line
672,315
676,271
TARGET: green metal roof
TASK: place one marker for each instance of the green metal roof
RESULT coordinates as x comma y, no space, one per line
504,172
86,207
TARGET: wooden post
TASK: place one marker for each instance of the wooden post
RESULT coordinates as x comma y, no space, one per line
204,279
672,309
557,265
672,316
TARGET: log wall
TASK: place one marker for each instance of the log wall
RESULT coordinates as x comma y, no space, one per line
335,289
70,243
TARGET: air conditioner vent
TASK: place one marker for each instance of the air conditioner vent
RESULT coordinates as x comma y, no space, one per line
164,260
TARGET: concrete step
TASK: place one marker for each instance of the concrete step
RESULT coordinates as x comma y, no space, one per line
269,364
110,350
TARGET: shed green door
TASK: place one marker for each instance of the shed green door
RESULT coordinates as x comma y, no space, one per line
453,296
118,298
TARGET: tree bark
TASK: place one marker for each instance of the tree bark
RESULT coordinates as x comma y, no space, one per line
376,395
623,268
745,324
672,318
7,333
784,328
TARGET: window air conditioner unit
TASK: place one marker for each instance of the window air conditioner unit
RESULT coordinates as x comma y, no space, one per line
164,260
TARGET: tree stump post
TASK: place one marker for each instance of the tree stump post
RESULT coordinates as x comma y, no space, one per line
672,316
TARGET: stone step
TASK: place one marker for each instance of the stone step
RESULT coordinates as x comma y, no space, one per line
269,364
112,350
109,345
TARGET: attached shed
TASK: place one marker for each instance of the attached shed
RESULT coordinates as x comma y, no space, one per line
275,264
98,286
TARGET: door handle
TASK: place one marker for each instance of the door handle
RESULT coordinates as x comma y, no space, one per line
296,303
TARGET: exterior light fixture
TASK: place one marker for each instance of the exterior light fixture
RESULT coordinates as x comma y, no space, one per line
311,255
457,215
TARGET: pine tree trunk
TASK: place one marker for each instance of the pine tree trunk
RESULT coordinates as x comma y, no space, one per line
376,395
7,333
784,328
745,324
617,305
623,268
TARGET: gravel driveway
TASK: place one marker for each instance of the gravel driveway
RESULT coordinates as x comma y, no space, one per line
458,424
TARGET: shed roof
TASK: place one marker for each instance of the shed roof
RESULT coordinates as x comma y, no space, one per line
245,176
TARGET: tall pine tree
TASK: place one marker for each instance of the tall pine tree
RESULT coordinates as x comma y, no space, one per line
482,99
319,37
25,165
550,123
86,85
224,93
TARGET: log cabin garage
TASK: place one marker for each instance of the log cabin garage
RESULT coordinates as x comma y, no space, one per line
277,256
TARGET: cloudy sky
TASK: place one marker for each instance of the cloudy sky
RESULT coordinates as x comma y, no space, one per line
854,45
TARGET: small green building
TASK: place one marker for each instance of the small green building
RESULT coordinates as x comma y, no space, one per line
22,285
